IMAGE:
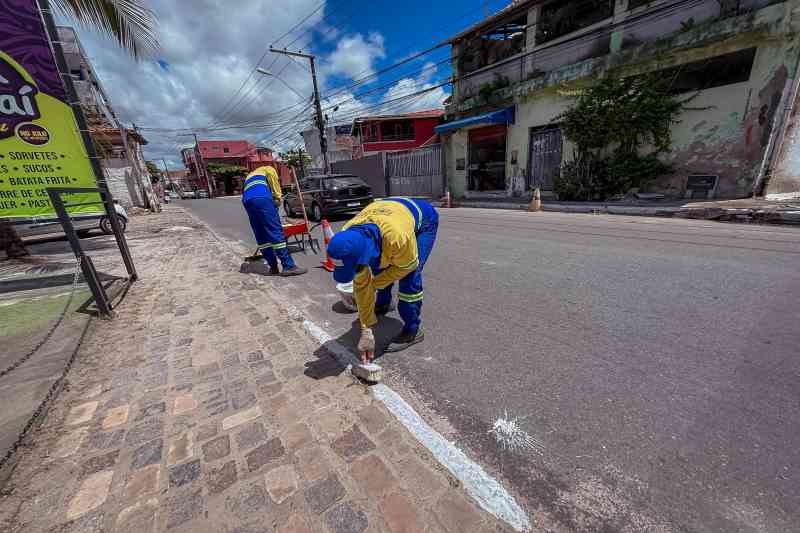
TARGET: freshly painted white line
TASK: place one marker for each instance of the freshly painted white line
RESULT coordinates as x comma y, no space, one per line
489,494
783,196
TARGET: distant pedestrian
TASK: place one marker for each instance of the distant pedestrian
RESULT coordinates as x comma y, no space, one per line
261,197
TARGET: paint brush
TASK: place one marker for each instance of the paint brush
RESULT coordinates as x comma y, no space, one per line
369,372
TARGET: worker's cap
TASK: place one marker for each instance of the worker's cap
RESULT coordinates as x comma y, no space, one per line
348,249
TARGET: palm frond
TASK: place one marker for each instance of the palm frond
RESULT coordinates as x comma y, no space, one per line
129,22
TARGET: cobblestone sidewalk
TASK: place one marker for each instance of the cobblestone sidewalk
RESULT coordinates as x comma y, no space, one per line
202,407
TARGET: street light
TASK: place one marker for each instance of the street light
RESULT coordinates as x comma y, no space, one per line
266,72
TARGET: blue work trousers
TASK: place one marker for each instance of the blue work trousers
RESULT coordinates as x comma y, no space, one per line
410,287
266,223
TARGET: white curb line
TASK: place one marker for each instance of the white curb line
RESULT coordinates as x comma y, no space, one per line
483,488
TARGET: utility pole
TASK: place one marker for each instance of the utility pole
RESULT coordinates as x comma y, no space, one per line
201,167
323,142
167,179
201,164
302,164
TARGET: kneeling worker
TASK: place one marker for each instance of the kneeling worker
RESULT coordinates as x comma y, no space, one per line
261,198
390,240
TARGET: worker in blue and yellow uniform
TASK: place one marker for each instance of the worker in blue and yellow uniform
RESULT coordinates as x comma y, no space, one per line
389,240
261,197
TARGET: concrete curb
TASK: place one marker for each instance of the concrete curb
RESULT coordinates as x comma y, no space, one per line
742,215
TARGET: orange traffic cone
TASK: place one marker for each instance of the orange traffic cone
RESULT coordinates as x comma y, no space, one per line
327,234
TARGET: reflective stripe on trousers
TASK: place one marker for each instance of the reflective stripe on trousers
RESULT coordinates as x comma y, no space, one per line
410,293
267,228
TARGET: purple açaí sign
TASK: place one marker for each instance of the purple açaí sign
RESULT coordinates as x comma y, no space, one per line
17,99
24,38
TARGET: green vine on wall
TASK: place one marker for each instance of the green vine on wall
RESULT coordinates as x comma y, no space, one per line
611,123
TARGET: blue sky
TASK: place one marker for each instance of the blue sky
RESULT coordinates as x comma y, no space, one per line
406,27
208,51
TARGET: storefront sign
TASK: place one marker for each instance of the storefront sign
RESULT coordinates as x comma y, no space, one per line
40,145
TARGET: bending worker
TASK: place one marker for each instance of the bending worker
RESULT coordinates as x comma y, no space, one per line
261,198
390,240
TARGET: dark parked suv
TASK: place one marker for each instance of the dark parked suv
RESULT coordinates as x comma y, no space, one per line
328,195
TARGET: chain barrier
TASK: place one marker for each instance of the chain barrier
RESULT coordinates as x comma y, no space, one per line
52,329
51,393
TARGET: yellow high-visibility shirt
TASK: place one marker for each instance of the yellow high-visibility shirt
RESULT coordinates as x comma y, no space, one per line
273,180
399,255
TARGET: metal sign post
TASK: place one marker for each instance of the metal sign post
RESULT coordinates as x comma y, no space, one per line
75,104
85,262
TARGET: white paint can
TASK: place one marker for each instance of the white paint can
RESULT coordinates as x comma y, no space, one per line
346,293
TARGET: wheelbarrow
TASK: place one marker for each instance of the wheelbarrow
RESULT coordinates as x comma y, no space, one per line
298,234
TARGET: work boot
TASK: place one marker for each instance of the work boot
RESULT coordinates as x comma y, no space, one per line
263,269
294,271
404,340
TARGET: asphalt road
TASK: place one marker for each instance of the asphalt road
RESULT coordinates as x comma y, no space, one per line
657,361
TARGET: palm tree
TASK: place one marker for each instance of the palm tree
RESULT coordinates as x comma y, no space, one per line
131,24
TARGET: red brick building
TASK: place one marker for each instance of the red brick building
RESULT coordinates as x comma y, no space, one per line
391,133
239,153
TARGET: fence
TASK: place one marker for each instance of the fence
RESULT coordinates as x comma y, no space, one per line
415,172
371,169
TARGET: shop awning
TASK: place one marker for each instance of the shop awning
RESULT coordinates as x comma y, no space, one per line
502,116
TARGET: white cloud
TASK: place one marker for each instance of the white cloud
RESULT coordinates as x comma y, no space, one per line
211,48
350,106
426,80
355,56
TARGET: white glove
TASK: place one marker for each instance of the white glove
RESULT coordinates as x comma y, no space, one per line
366,344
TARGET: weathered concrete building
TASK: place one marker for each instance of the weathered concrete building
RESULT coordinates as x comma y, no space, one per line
119,148
340,144
517,71
124,166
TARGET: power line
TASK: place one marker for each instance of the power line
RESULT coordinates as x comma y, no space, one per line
248,98
410,58
552,49
290,30
250,75
227,111
557,47
266,51
446,41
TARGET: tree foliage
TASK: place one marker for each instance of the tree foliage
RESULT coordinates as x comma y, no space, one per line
611,124
297,159
130,22
226,171
154,171
293,158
